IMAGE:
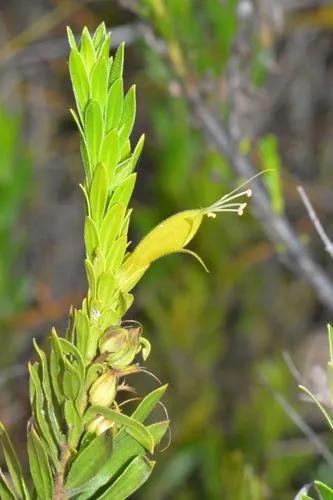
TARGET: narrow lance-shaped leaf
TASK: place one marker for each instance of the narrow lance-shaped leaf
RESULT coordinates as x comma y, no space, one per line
79,79
110,154
118,64
133,427
111,225
89,462
128,114
114,106
93,126
104,49
98,194
125,448
98,82
99,36
5,492
325,491
124,191
39,466
134,476
87,50
13,464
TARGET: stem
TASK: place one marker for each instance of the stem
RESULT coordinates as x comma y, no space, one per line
59,492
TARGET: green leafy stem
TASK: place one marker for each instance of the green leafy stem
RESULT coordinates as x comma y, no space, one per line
81,443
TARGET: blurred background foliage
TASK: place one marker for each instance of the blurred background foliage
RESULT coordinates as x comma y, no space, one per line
217,338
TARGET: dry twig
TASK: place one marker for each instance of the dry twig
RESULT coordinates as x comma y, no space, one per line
328,245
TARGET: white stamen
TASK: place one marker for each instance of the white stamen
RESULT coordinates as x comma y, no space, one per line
224,205
230,196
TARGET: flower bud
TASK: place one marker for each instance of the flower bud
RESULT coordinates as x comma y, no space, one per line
113,340
125,356
103,391
100,425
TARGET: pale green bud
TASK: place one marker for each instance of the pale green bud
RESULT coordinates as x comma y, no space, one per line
125,356
113,340
100,425
103,391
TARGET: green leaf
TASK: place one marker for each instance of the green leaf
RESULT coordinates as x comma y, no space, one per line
91,237
270,158
110,153
124,169
98,194
125,150
85,160
145,348
71,38
125,448
127,282
39,466
5,491
79,79
105,288
325,491
93,126
105,47
116,254
93,372
330,341
99,82
87,50
124,191
72,356
137,151
71,366
94,335
125,223
90,276
147,405
37,402
125,302
134,476
55,372
46,387
13,464
89,462
132,426
114,106
111,225
128,115
78,123
99,36
74,423
118,64
320,406
109,318
81,331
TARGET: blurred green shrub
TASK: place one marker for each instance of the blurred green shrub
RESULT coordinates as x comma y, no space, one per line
15,183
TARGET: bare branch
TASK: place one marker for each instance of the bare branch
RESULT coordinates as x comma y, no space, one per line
328,245
277,227
57,48
317,443
226,141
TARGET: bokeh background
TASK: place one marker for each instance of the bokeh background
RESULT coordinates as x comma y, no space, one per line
229,342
